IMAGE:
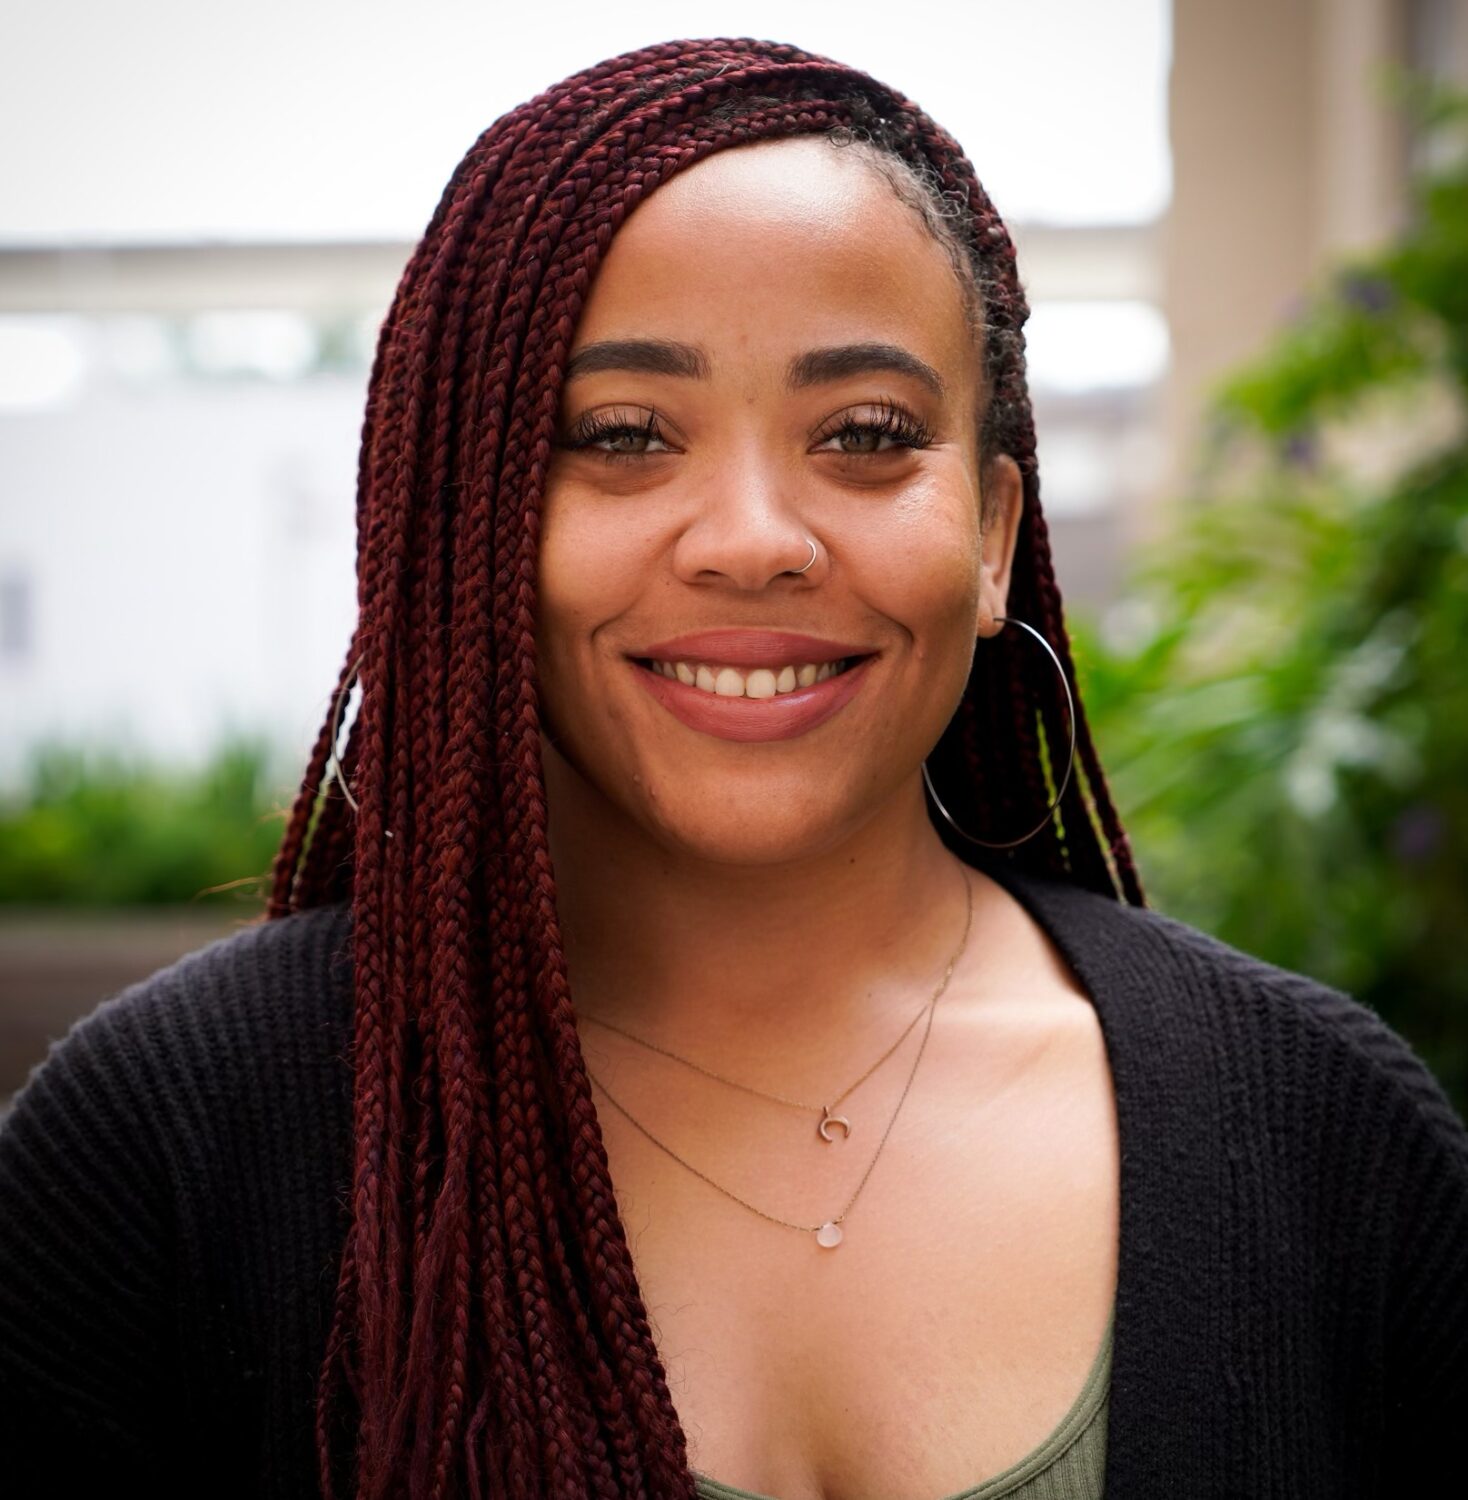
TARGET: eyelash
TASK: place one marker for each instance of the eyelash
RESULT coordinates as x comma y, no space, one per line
905,430
596,425
892,421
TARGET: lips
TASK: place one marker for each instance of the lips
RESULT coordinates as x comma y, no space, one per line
754,719
751,648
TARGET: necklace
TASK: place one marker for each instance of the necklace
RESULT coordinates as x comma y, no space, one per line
828,1234
827,1118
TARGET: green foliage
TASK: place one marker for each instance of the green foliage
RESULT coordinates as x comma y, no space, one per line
109,831
1280,698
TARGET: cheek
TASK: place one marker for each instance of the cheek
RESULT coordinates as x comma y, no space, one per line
593,567
920,560
587,564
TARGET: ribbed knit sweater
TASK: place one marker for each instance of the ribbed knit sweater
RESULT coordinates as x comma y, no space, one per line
1292,1287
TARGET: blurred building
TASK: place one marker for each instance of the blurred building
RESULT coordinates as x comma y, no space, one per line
1287,153
179,424
180,444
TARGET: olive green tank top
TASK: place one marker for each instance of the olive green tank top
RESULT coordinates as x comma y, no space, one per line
1068,1465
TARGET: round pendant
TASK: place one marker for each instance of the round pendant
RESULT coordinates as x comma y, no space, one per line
828,1236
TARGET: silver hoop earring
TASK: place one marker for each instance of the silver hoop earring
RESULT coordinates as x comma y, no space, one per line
1065,780
339,703
812,547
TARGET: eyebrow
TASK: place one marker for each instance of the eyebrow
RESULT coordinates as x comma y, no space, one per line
820,365
642,356
815,367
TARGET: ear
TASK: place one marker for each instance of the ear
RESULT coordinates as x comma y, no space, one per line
1003,499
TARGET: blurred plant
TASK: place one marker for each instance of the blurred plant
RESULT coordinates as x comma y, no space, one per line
1280,697
106,830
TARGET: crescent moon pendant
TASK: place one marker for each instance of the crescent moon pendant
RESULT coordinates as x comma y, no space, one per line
829,1119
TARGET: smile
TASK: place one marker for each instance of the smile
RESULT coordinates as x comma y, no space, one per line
757,682
752,704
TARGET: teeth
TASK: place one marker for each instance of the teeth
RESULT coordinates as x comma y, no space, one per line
760,682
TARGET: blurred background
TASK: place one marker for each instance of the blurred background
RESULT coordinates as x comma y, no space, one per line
1244,233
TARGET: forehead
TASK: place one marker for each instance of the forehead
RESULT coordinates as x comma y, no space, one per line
759,249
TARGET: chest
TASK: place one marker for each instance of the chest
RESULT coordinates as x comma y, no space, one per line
953,1327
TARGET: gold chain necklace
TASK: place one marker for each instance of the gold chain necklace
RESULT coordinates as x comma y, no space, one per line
827,1118
828,1234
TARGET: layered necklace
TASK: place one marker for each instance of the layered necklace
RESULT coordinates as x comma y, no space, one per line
828,1233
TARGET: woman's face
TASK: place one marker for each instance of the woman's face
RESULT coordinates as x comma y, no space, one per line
774,349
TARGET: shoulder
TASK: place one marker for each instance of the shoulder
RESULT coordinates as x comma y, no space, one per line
164,1164
1167,981
290,962
288,971
171,1050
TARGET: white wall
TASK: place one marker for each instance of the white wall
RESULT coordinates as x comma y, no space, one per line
189,551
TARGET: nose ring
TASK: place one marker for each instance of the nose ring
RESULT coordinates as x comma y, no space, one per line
812,547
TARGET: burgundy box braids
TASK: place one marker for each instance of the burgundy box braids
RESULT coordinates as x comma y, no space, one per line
489,1336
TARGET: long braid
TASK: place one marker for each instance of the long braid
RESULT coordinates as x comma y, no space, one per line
488,1335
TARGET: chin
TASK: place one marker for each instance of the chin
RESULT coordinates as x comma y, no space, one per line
744,839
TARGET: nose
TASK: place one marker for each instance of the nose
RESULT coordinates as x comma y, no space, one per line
746,527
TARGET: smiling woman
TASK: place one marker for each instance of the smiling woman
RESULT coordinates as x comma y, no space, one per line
714,433
699,765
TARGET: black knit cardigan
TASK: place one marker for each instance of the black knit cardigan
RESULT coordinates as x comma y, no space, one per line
1292,1297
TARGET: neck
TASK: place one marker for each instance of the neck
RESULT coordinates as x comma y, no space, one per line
753,962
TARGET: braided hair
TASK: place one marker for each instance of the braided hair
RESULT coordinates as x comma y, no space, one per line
488,1334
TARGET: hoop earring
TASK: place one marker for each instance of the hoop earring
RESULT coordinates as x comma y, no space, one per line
812,547
333,764
1065,780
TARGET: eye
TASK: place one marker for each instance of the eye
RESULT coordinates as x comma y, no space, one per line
884,429
617,435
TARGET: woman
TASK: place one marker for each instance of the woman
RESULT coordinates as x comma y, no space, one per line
717,765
